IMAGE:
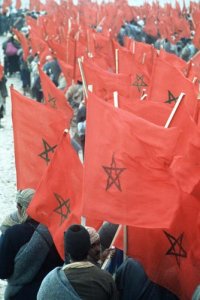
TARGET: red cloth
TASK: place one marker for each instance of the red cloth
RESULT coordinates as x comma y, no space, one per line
167,83
55,98
170,256
126,168
37,130
57,202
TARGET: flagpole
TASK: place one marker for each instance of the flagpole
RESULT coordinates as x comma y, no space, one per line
180,98
115,99
83,77
125,236
111,245
117,61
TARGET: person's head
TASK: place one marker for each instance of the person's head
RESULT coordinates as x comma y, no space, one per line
77,242
74,95
23,199
95,248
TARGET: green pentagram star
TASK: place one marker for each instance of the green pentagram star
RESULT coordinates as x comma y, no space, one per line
63,209
113,173
171,98
47,148
176,248
139,82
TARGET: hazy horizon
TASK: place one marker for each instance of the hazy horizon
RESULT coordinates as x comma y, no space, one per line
25,3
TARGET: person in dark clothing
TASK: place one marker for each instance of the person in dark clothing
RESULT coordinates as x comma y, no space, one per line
27,255
80,279
52,69
133,283
11,58
25,75
3,96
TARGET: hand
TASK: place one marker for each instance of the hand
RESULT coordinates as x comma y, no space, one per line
108,253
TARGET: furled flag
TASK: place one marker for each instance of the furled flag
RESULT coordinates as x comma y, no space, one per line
37,130
126,168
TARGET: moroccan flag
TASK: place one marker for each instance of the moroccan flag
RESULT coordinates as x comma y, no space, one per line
129,155
57,202
54,97
170,256
167,83
37,130
138,66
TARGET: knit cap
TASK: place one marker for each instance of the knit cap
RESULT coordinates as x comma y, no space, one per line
77,242
23,198
94,236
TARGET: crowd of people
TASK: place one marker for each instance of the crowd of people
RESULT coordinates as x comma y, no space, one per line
29,259
34,270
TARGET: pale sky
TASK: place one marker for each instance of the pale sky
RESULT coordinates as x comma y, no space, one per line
131,2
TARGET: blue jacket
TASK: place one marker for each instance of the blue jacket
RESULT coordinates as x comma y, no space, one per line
16,240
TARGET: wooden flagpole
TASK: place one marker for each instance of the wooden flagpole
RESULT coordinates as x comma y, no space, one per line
180,98
112,243
83,77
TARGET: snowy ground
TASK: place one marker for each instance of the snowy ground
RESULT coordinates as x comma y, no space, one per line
7,160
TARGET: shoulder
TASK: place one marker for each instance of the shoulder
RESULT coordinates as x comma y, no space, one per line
102,273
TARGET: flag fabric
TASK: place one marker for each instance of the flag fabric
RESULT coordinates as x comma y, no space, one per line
170,256
185,168
54,97
124,157
58,199
1,71
67,71
104,83
37,130
167,83
155,112
23,41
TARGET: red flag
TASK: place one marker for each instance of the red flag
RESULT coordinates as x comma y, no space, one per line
105,83
124,156
1,71
23,41
67,71
157,113
38,45
37,129
54,97
57,202
186,167
167,83
170,256
173,60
